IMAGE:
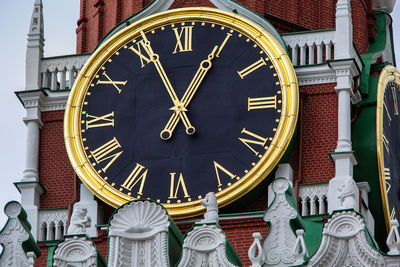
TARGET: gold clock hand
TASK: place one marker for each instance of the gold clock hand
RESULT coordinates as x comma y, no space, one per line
177,104
179,111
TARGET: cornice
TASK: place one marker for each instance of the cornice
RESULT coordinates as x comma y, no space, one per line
44,99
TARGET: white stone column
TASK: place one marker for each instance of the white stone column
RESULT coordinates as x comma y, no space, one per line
342,191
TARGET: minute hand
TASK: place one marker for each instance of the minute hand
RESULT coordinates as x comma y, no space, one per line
205,65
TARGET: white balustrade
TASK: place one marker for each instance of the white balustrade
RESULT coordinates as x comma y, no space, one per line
52,224
305,46
59,73
313,199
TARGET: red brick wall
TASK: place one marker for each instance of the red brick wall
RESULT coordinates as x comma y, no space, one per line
318,120
360,10
55,171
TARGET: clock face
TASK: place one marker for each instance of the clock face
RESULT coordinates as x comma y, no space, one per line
184,103
389,140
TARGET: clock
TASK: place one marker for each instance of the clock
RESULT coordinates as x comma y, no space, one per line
179,104
388,141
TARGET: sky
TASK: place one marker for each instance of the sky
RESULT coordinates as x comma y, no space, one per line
60,18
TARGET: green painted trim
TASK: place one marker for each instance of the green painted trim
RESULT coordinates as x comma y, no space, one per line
50,254
309,31
377,46
62,208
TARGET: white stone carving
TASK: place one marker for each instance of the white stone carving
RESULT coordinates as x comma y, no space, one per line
205,246
211,205
344,243
75,251
255,251
346,193
52,224
284,170
13,235
308,43
79,221
300,248
393,239
278,246
138,235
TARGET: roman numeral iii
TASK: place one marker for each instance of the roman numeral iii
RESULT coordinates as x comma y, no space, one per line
102,121
106,152
183,39
261,102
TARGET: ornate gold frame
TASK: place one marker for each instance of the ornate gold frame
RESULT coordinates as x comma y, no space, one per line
281,140
388,74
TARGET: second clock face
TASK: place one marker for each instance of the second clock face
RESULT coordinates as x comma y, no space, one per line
180,109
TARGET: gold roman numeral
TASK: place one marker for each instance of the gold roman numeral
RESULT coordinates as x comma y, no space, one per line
257,140
173,191
105,152
185,34
393,214
385,143
228,35
102,121
246,71
142,45
109,81
395,104
219,168
387,179
261,102
139,173
387,111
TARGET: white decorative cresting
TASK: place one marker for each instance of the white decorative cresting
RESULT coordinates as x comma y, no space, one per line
313,199
393,239
300,248
303,47
75,251
138,235
344,243
12,236
52,224
56,71
79,221
255,251
205,245
211,205
278,246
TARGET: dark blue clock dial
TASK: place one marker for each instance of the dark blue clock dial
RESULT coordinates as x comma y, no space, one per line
180,111
391,147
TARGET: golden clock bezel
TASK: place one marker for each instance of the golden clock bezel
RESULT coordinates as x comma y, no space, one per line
388,74
281,140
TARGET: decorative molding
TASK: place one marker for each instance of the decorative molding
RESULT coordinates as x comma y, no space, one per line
16,239
138,233
69,62
344,243
75,251
205,245
315,74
